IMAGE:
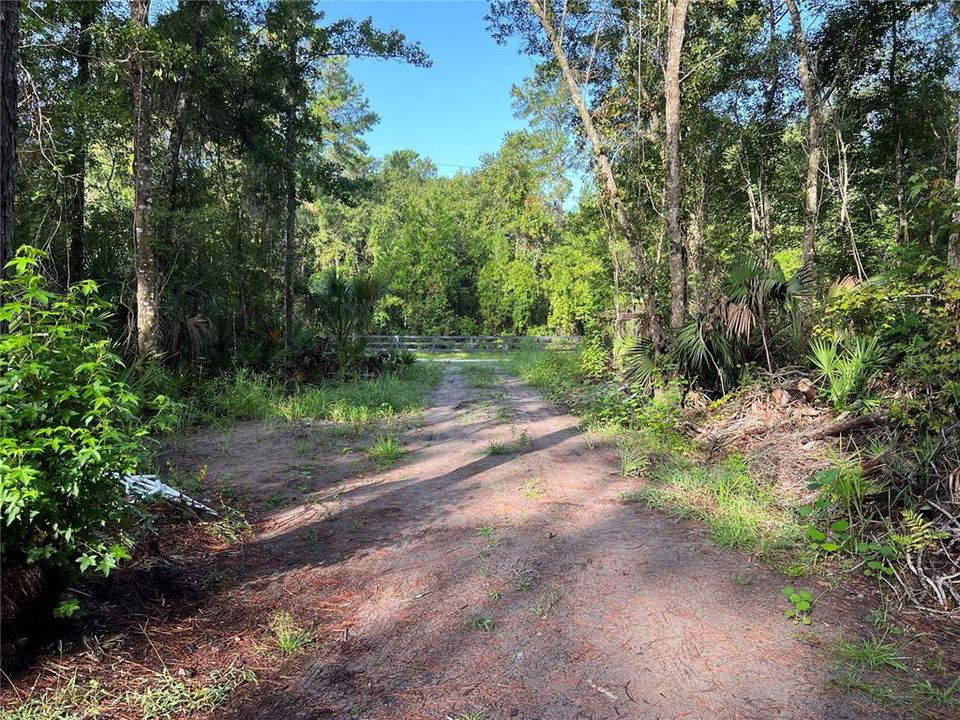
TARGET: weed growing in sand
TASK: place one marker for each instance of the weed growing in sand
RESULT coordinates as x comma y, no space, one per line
304,447
872,654
495,447
486,531
495,594
475,622
71,700
634,460
503,414
478,715
740,510
277,499
387,450
185,481
481,375
171,697
533,489
230,528
524,582
248,396
547,603
801,604
162,696
518,441
290,638
926,693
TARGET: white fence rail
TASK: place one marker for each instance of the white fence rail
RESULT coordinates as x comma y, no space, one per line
471,343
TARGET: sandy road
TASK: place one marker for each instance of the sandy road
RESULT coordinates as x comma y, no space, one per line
517,585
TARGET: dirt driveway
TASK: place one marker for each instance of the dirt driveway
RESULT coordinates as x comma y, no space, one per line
491,574
516,585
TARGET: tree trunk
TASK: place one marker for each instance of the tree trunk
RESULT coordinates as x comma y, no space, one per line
78,169
9,42
610,187
291,181
676,29
698,273
953,249
903,232
814,144
843,188
766,140
148,273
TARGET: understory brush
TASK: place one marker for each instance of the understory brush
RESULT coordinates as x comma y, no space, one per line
156,696
740,510
251,396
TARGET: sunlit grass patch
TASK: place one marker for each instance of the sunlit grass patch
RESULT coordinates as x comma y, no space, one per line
157,696
518,441
387,450
249,396
290,639
170,697
481,375
739,509
533,489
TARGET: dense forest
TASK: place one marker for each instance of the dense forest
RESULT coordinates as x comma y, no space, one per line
715,195
821,138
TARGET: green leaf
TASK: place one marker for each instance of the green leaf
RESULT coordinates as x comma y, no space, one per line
840,526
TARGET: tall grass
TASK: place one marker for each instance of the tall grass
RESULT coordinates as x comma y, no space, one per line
249,396
739,509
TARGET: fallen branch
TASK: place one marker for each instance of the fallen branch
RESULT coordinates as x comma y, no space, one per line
857,423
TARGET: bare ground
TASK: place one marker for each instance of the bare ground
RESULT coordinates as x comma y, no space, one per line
513,584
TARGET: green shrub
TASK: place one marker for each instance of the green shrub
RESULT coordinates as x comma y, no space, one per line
68,425
593,360
846,365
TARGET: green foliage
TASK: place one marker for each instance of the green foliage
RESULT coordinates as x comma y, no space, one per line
920,533
872,654
249,396
345,308
508,291
593,358
801,602
289,638
387,450
846,365
69,425
740,510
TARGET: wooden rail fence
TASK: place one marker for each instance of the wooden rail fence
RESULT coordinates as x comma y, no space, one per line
471,343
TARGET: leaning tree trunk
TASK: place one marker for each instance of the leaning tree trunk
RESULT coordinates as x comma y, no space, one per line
291,180
9,41
814,145
148,273
676,28
903,232
79,161
610,187
953,249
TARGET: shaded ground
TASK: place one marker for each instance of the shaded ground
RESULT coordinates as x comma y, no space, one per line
458,582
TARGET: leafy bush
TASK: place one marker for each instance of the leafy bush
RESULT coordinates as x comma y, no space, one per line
593,359
68,425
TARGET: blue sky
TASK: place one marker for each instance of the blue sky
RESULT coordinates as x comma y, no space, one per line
452,112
